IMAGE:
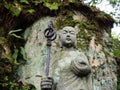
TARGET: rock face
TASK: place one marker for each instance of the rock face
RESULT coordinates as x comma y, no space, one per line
92,46
104,77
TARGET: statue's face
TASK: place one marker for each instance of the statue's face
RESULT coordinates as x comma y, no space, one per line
68,37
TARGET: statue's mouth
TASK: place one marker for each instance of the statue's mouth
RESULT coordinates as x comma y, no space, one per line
68,39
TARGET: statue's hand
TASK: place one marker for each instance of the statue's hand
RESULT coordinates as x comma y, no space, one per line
46,83
80,67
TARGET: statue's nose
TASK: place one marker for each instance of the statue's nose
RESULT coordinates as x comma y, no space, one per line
68,34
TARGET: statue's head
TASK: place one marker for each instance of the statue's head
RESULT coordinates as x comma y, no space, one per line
68,37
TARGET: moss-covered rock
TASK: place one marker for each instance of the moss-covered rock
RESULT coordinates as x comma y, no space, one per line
93,33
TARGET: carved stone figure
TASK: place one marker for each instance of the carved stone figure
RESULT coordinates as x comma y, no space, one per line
69,66
68,38
72,71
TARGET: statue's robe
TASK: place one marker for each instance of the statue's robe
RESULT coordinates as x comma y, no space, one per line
65,78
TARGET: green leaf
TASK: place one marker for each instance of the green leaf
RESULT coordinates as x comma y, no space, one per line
24,1
13,31
15,11
52,6
117,53
5,84
15,54
23,53
72,0
6,78
16,36
2,39
10,59
31,11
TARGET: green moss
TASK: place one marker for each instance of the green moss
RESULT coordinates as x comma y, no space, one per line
118,77
91,26
67,20
63,21
87,29
87,25
58,25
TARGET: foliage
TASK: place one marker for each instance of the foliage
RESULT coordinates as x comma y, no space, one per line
7,82
18,7
116,44
24,1
31,11
72,0
17,53
116,13
114,3
14,8
94,2
12,32
12,85
23,53
12,58
1,39
116,49
52,6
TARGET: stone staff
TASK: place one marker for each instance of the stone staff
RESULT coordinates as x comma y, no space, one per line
50,35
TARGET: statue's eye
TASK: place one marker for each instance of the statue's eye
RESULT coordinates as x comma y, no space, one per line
72,33
64,32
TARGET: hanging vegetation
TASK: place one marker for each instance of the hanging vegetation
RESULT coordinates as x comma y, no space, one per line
17,15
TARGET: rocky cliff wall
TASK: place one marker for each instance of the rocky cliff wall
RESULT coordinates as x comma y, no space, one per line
92,40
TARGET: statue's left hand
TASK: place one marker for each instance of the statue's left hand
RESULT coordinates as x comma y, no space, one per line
80,67
46,83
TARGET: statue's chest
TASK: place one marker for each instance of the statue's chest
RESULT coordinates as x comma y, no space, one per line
63,65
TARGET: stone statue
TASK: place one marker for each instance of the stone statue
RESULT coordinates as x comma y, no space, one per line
72,71
68,38
69,66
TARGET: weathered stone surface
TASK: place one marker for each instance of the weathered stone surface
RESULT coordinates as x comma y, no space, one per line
67,79
100,57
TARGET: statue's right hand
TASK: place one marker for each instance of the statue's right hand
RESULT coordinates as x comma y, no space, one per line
46,83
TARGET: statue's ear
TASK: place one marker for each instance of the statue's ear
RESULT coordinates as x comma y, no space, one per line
77,29
76,32
58,38
75,45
